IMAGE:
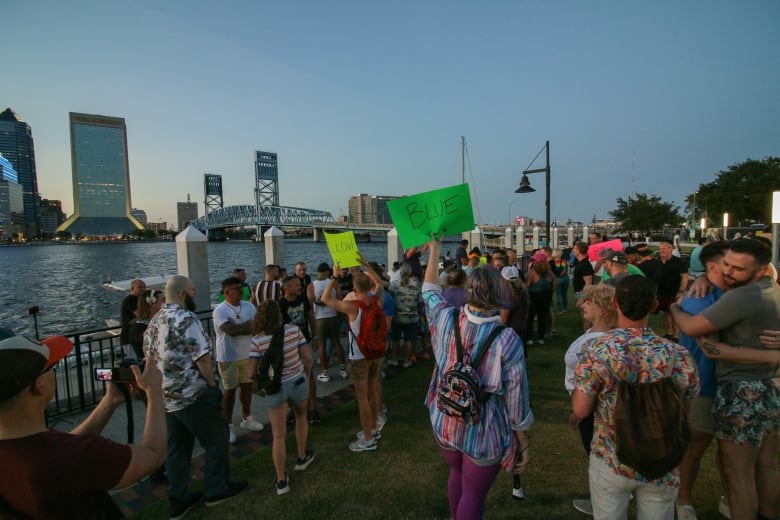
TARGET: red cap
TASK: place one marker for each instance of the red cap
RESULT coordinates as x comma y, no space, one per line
53,348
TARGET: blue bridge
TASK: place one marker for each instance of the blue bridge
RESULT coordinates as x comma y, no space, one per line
246,216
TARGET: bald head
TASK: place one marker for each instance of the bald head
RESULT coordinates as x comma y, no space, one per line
177,288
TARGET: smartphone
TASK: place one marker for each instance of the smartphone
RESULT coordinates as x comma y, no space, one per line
118,375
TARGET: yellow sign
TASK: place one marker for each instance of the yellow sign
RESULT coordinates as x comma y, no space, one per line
343,248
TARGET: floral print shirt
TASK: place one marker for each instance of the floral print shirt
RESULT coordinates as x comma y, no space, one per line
636,355
176,340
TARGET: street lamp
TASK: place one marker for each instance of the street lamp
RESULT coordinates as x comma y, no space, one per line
525,185
775,225
725,226
510,212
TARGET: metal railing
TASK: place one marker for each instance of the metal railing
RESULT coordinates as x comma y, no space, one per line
77,390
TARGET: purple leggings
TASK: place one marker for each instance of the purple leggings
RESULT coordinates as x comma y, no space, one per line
468,485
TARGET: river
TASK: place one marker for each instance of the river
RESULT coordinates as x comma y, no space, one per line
65,280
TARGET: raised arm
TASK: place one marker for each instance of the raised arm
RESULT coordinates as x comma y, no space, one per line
432,269
334,303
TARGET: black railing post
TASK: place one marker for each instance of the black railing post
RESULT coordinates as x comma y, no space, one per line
79,373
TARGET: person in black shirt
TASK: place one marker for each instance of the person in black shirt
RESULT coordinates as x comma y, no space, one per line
127,309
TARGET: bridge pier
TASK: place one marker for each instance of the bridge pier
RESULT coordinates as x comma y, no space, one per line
508,237
316,234
520,240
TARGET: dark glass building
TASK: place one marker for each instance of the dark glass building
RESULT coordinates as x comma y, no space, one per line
101,177
16,145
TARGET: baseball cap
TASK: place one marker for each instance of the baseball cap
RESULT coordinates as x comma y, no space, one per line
53,348
539,257
645,251
619,257
510,272
17,366
323,268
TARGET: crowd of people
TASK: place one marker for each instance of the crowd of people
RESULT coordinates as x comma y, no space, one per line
475,315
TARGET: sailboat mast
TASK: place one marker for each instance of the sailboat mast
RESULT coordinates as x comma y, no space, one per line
462,160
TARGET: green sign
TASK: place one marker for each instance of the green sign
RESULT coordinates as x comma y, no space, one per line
446,211
343,248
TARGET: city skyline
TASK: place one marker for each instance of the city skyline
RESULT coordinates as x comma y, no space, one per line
355,98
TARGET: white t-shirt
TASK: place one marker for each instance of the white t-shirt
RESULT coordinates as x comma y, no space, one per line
571,356
232,348
322,311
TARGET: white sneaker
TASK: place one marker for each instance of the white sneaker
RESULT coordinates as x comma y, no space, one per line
686,512
540,342
380,422
232,438
249,423
324,377
343,372
376,435
583,505
723,508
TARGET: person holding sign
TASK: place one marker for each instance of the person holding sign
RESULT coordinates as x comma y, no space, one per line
499,438
364,373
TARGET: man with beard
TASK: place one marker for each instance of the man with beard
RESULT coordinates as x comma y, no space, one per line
747,397
176,341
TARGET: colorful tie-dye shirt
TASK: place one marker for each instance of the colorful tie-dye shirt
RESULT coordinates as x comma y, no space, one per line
635,355
175,339
503,374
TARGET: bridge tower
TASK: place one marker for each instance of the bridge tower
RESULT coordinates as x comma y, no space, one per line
266,181
212,194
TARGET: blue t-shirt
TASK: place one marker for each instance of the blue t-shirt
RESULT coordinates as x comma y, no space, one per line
705,365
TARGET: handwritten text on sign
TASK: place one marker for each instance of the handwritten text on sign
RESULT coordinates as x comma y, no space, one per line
437,212
343,248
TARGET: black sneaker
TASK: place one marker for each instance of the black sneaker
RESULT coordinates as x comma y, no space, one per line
234,488
303,463
178,509
283,486
314,417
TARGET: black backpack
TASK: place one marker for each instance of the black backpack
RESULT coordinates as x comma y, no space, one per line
460,394
269,370
651,427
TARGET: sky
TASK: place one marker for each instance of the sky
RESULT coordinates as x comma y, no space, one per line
373,97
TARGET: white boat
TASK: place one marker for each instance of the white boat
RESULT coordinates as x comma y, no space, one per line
152,282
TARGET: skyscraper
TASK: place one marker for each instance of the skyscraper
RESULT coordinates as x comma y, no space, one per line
186,212
16,145
101,177
11,202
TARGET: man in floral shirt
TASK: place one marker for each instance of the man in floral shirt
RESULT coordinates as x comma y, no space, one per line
632,352
175,339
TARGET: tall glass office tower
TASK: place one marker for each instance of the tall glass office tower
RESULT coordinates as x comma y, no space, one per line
16,145
101,177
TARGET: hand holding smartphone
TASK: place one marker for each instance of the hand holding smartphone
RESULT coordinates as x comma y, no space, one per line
116,375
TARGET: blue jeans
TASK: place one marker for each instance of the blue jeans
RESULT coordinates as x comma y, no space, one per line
205,421
562,294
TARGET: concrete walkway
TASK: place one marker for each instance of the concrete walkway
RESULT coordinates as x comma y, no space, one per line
134,499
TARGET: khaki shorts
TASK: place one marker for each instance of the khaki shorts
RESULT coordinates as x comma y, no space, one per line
328,328
701,417
365,370
234,373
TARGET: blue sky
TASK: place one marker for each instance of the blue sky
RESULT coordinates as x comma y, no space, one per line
372,97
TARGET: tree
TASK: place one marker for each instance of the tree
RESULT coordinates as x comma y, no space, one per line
643,212
744,191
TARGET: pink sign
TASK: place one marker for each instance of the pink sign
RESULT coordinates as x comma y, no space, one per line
593,249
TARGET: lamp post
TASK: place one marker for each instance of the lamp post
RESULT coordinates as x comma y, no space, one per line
725,226
525,185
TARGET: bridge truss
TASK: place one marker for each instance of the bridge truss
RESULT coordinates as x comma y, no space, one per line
245,215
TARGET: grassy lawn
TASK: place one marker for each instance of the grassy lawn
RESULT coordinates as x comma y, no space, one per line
407,477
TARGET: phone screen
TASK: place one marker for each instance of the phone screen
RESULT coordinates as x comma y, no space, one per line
119,374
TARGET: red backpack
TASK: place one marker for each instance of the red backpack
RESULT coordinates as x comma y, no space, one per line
372,338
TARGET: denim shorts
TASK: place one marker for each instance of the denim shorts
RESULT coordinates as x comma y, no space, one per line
747,411
293,390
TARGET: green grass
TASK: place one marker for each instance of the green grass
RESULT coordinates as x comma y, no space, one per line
407,477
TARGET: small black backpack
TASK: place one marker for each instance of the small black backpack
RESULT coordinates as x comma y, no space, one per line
269,370
460,394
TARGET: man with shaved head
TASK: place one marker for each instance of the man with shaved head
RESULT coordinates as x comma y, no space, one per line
176,341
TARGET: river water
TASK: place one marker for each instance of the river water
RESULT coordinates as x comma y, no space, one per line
65,280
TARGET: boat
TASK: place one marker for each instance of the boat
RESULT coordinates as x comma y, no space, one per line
152,282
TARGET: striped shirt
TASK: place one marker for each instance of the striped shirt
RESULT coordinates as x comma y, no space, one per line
268,290
293,340
503,375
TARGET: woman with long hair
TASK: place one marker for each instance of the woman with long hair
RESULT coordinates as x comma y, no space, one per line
516,314
598,309
562,275
297,355
476,451
454,291
150,301
541,284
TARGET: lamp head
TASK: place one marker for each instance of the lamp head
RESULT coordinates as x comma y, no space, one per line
525,186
